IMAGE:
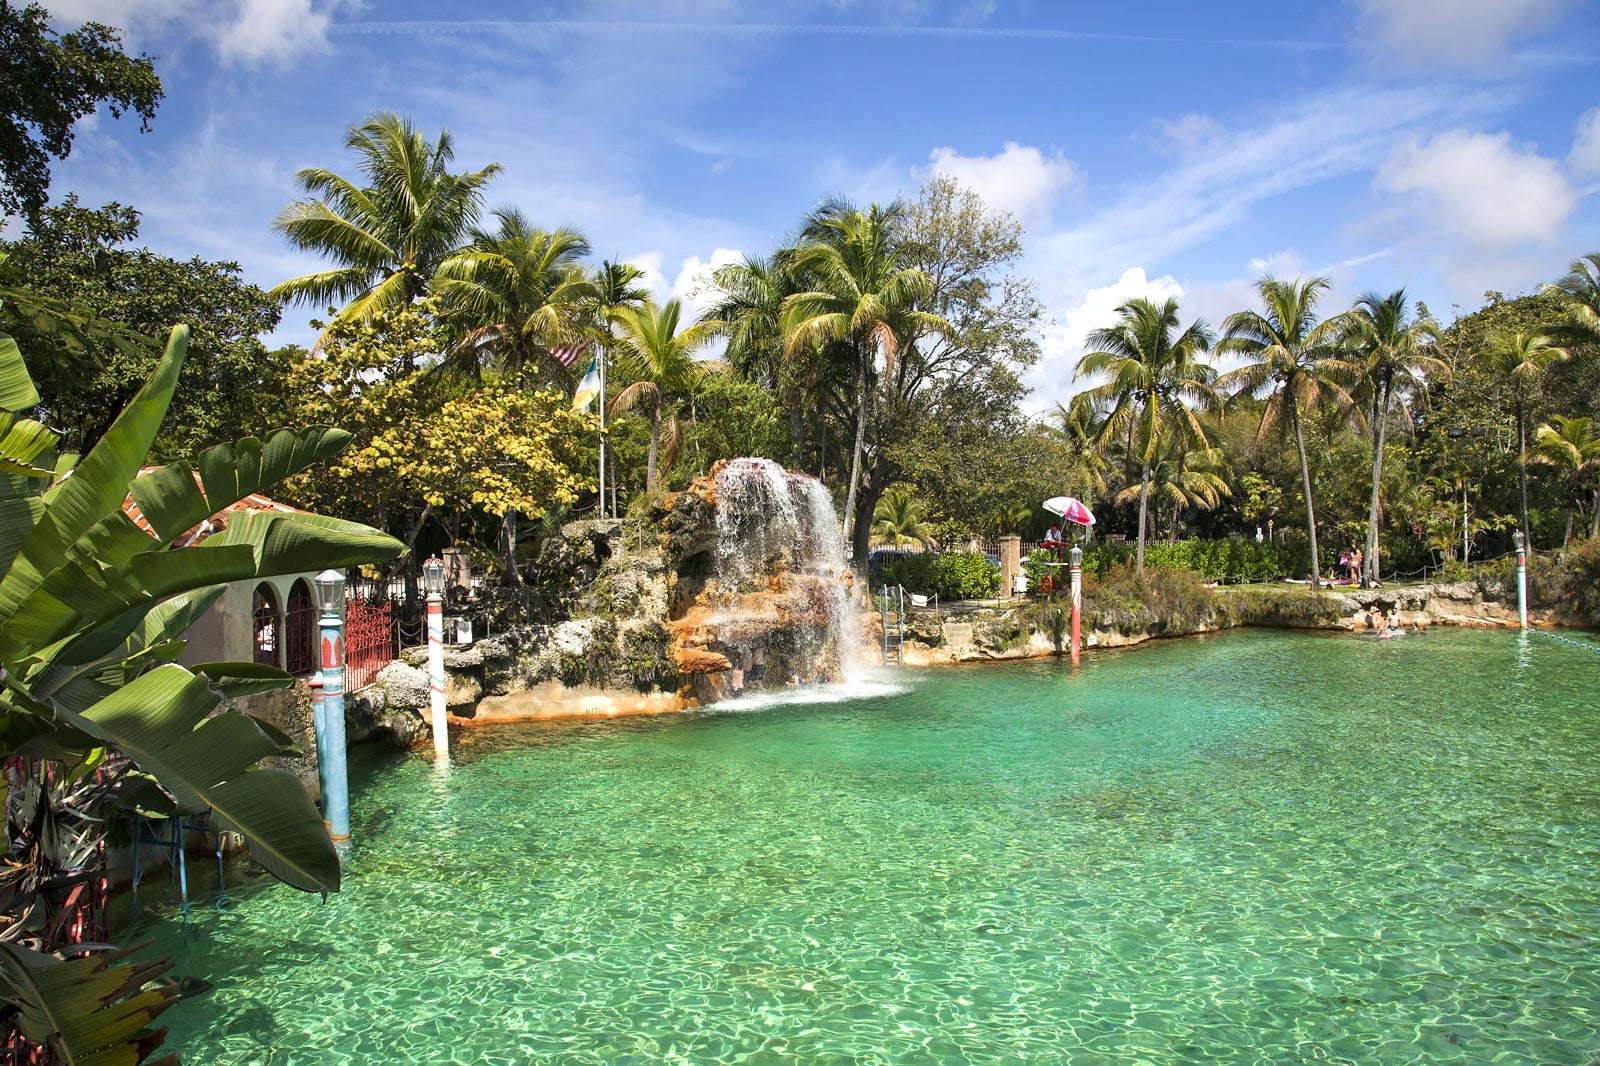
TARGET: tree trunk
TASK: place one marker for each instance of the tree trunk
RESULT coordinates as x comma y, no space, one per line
1594,522
797,430
508,547
1305,479
1572,514
1144,507
655,442
1522,468
871,491
855,453
1369,566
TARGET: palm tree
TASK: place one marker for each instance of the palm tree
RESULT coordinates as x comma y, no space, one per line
389,235
1580,291
1182,480
1292,354
660,360
1155,374
865,299
750,315
897,521
1571,445
515,294
1077,427
1522,358
1393,347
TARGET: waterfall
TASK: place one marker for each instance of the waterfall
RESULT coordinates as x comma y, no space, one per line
781,598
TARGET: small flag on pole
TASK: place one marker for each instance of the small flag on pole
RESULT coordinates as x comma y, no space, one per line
565,356
588,388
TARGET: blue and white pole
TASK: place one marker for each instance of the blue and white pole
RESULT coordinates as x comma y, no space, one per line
331,763
1522,577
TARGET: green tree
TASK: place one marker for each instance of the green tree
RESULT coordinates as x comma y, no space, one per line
1077,427
660,361
1571,446
389,235
1393,347
1521,359
749,314
1295,356
1183,480
1579,292
898,521
86,260
515,296
1155,374
92,610
48,81
423,445
865,299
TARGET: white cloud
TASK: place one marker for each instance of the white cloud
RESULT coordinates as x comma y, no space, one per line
246,31
1284,264
654,280
1020,178
1452,32
1323,137
1189,131
694,285
278,30
1063,340
1585,156
1480,188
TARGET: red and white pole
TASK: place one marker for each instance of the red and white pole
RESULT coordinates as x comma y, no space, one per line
433,583
1077,598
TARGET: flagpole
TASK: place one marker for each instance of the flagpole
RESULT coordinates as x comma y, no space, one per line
602,353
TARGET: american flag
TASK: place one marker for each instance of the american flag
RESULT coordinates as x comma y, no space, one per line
565,355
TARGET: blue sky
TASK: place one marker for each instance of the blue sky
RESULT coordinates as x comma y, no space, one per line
1450,146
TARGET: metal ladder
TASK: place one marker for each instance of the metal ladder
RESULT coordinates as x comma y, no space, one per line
892,605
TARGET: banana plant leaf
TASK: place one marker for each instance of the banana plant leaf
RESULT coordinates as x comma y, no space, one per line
173,503
92,1009
243,679
17,392
160,721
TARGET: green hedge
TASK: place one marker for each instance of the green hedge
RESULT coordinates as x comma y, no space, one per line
1215,560
948,575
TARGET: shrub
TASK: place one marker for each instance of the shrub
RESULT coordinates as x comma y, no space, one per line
1161,600
965,576
1227,560
1051,616
948,575
1278,607
1585,584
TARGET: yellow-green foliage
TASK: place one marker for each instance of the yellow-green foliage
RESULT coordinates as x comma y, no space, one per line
492,446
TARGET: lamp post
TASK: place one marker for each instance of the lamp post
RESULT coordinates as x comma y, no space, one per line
1522,577
331,768
1077,597
433,584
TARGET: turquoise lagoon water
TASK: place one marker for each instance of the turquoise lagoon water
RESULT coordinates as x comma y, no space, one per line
1249,848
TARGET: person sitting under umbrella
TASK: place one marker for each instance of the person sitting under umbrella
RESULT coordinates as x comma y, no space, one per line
1052,535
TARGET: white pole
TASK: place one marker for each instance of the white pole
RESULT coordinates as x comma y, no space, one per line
1522,578
441,730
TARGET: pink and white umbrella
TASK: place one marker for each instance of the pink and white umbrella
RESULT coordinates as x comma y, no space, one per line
1070,509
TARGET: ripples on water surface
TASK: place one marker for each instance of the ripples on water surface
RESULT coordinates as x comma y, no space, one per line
1251,848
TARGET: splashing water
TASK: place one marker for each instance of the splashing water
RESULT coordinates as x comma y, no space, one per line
783,599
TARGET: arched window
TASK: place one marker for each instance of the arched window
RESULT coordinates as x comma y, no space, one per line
300,631
267,622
